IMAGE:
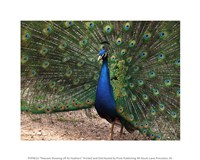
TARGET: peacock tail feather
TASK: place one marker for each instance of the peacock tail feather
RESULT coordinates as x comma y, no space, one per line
60,71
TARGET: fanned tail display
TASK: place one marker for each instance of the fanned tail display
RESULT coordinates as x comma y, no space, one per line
128,70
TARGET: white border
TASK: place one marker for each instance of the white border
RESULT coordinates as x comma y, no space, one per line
12,12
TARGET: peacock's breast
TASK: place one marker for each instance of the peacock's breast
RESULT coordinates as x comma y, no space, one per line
105,103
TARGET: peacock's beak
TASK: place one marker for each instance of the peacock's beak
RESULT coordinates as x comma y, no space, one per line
99,58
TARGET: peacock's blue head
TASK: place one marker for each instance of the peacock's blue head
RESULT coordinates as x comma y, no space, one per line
102,54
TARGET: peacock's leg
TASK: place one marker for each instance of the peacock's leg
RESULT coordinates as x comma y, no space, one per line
121,130
111,131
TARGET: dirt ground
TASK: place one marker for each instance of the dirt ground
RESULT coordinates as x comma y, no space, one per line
74,125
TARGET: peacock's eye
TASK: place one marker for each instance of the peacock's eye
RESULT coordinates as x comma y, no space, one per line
108,29
162,34
118,41
27,35
126,26
161,55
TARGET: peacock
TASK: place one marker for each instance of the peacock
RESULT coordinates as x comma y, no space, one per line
129,71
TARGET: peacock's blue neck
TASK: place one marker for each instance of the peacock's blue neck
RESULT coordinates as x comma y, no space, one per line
104,96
